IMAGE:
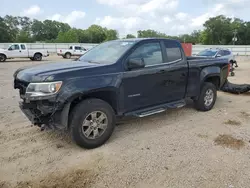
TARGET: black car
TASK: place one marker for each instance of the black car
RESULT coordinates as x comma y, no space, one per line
130,77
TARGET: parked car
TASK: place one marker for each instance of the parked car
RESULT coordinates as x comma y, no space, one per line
219,53
21,51
72,51
116,79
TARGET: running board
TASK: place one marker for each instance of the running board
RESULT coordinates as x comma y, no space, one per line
156,109
149,113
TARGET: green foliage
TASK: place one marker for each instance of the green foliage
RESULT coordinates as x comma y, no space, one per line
217,30
130,36
68,37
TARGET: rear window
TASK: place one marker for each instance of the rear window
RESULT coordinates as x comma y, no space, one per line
173,51
77,48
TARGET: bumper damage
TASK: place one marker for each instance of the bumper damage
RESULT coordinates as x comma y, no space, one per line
43,115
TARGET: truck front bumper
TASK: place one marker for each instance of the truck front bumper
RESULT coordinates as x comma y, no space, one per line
39,114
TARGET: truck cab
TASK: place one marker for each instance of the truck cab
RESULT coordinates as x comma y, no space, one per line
17,51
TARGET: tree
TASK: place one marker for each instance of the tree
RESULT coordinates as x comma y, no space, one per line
96,34
218,30
24,36
129,36
4,32
111,34
68,37
12,23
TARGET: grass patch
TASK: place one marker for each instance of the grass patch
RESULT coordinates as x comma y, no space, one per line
233,122
229,142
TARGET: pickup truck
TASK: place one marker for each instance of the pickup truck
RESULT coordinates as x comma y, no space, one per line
21,51
72,51
117,79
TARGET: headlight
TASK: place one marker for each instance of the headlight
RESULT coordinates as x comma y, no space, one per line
43,89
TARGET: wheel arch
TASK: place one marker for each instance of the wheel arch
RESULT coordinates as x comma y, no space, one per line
108,96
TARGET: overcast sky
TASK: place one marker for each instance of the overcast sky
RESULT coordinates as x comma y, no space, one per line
127,16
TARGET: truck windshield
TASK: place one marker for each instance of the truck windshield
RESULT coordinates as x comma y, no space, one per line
107,53
208,53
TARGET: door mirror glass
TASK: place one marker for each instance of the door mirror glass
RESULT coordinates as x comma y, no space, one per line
135,63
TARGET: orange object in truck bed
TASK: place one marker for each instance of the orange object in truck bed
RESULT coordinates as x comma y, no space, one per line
187,47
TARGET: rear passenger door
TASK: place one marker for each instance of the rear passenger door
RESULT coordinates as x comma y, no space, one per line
177,71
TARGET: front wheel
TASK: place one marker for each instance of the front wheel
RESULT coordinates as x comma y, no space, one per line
92,124
207,98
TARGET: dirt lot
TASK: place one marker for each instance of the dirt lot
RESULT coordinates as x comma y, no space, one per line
179,148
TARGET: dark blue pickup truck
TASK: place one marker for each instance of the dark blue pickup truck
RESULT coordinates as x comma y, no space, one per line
131,77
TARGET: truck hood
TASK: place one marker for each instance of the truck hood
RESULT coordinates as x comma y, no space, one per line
41,72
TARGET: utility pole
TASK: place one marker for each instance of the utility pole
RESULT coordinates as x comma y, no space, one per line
235,36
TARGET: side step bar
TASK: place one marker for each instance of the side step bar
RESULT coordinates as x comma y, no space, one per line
149,113
156,109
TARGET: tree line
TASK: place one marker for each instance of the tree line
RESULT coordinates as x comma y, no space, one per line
217,30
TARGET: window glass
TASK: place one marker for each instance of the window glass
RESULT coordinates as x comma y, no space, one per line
220,53
77,48
173,51
149,52
226,52
23,47
70,48
16,46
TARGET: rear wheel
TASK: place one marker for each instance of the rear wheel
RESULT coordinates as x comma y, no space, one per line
37,57
68,55
92,124
2,58
207,98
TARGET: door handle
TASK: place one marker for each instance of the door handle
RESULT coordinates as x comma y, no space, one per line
20,51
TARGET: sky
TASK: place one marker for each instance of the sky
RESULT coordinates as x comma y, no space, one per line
172,17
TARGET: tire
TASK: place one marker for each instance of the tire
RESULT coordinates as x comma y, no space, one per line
209,91
2,58
232,74
37,57
83,136
68,55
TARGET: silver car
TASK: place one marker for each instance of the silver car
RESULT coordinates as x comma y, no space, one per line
218,53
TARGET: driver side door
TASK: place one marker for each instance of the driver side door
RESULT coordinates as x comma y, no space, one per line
14,51
142,87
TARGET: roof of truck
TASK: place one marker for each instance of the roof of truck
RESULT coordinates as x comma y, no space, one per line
141,39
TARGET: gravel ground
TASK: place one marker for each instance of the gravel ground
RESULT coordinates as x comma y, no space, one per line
179,148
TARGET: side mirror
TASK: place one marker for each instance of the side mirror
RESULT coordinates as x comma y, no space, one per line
135,63
10,49
218,55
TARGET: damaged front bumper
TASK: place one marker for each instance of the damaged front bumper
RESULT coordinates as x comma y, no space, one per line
41,114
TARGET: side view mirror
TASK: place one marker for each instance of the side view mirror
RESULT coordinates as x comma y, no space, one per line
135,63
10,49
218,55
